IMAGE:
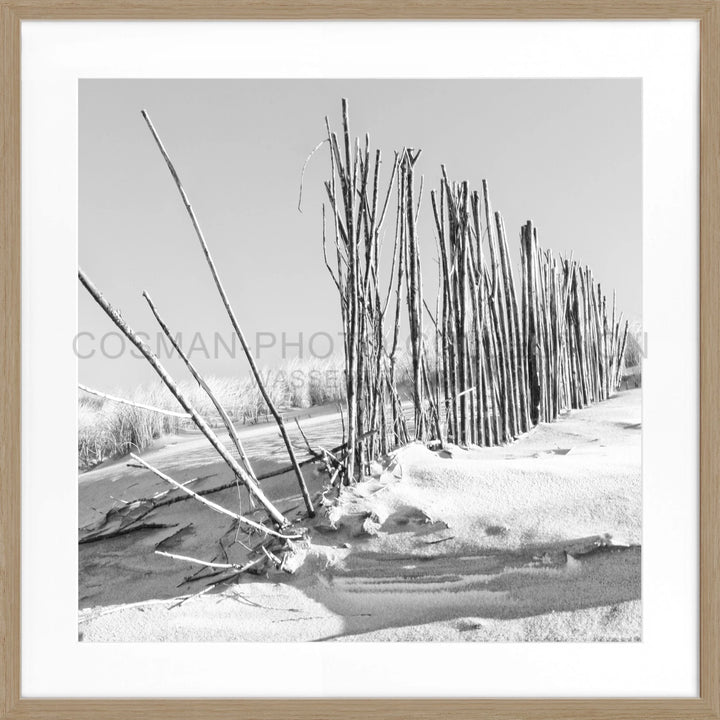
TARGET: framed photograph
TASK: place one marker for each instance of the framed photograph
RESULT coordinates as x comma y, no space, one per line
360,361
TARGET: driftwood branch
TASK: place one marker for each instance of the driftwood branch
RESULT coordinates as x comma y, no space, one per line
222,566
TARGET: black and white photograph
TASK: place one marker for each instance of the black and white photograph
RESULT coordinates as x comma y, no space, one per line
360,360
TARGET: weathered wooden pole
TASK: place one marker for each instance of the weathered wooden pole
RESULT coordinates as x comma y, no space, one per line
516,365
532,324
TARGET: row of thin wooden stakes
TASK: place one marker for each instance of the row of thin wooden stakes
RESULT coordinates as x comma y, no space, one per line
498,357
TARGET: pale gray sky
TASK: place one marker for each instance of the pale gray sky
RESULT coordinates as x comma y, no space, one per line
564,153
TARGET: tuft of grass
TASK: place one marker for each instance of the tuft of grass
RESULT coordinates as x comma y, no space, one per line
634,346
108,429
314,381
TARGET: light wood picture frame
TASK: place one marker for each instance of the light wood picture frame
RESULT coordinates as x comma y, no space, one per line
704,707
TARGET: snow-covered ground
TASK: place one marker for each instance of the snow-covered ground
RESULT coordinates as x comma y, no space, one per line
538,540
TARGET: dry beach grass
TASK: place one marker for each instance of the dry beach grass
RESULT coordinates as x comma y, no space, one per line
108,429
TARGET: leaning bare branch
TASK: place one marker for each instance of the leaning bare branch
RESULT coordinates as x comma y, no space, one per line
201,382
131,403
233,319
211,504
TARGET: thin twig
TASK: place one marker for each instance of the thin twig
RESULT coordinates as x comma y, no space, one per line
302,173
132,403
